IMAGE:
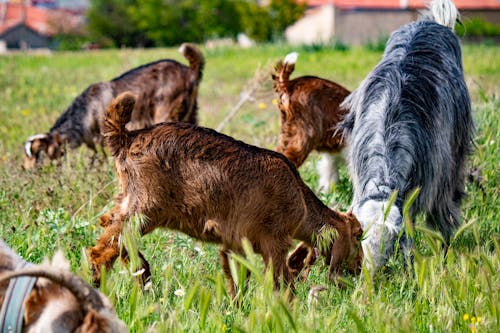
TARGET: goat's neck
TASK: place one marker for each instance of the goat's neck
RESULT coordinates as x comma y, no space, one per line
318,217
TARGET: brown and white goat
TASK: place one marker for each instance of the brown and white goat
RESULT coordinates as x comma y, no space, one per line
166,89
310,113
214,188
59,302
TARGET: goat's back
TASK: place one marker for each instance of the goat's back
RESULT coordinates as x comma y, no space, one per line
164,91
184,175
411,119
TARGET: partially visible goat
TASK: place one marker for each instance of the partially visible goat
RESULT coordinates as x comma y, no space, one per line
59,302
410,126
216,189
166,90
310,114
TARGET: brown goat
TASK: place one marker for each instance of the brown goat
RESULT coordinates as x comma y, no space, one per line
310,113
59,302
166,90
214,188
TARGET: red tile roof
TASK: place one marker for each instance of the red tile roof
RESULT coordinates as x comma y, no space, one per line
34,17
394,4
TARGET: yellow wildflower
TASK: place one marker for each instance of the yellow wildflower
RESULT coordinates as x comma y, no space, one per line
275,101
466,316
262,105
473,320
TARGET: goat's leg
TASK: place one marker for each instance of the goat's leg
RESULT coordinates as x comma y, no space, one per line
278,256
224,255
143,272
301,260
105,252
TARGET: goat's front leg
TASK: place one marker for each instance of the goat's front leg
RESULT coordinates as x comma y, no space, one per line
107,249
143,272
301,260
273,253
224,256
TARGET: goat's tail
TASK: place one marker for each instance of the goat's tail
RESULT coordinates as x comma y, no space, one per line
444,12
283,69
195,58
117,116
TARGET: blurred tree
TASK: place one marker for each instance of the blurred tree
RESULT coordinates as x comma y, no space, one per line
171,22
283,13
110,24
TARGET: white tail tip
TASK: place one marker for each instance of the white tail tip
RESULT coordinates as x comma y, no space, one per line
291,58
444,13
182,49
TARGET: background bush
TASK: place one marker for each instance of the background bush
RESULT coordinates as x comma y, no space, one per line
171,22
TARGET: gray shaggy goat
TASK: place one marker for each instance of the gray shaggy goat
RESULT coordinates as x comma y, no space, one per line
166,89
409,127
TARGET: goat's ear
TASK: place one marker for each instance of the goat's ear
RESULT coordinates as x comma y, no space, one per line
56,138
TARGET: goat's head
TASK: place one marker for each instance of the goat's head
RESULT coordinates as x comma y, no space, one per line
345,253
63,302
382,222
50,144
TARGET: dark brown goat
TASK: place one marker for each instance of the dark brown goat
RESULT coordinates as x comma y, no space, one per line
166,91
309,116
216,189
59,302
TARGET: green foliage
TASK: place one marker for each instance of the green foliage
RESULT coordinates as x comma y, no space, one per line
110,24
478,27
171,22
59,205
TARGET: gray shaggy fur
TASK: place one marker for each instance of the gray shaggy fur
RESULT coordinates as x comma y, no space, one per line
410,126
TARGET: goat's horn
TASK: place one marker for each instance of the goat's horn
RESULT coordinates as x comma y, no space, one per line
29,141
84,293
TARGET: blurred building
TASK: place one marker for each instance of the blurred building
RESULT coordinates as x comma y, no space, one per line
363,21
26,24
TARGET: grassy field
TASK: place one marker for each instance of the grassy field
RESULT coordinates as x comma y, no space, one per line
58,206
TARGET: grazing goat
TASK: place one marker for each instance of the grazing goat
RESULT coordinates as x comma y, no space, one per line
58,302
211,187
410,126
310,112
166,90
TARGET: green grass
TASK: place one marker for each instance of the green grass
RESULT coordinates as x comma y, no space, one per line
59,206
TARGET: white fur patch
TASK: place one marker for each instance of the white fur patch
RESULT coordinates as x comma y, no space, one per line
444,13
53,310
328,171
182,49
380,235
124,205
291,58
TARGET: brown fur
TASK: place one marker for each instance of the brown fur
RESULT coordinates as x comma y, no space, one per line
166,91
216,189
56,307
310,112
